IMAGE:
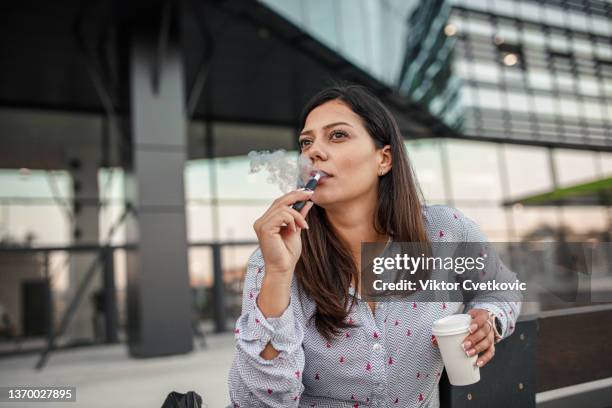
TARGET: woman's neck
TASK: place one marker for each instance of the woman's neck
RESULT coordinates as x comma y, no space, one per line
354,222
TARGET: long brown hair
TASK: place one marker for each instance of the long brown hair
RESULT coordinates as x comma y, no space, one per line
326,266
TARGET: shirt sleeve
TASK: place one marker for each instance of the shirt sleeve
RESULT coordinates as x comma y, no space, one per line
254,381
504,304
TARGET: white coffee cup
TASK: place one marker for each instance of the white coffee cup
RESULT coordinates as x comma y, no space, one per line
450,332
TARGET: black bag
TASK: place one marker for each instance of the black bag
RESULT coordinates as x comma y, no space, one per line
178,400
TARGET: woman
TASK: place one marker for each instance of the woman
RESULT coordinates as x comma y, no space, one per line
305,338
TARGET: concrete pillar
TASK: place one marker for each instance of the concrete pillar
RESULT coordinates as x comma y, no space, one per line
159,298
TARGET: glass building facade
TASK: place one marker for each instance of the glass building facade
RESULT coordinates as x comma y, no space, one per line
525,86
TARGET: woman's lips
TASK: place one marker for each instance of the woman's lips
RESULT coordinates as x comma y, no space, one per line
324,179
321,172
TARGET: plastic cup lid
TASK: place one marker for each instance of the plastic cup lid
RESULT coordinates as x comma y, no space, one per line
454,324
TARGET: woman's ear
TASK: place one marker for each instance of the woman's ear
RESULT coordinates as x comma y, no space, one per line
385,159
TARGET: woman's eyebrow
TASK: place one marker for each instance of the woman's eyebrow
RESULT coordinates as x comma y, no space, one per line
306,132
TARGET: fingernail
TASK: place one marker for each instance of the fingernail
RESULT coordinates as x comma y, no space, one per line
466,345
306,224
473,327
479,363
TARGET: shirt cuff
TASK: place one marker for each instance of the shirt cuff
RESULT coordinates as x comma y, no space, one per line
497,311
279,331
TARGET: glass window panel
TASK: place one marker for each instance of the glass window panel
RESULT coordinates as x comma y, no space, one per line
425,158
518,102
197,179
199,221
508,33
491,220
200,267
606,163
540,221
558,42
490,99
377,20
234,259
539,79
534,37
44,224
565,82
603,51
504,7
529,10
111,184
486,72
236,181
607,83
480,27
478,4
544,104
467,96
574,166
353,40
582,223
553,15
463,68
569,106
588,86
108,216
236,221
474,170
578,21
527,170
513,74
322,21
600,25
593,110
35,184
582,46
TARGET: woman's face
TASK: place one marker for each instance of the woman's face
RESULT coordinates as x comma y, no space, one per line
336,141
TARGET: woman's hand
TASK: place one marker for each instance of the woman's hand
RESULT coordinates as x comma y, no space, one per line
278,231
481,339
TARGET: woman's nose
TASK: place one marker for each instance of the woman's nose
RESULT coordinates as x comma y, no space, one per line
317,151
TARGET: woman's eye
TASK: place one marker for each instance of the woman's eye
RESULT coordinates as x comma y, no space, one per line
334,134
303,141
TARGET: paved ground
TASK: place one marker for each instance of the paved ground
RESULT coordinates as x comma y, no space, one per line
105,376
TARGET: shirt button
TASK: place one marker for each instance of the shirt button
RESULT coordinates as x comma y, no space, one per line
376,346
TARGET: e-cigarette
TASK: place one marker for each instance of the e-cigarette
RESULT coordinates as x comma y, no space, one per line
311,185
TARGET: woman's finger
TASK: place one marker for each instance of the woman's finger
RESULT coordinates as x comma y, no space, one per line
478,329
481,345
304,211
479,318
296,195
299,218
292,198
486,356
278,220
475,337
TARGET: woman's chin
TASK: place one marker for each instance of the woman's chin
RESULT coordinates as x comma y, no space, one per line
324,199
